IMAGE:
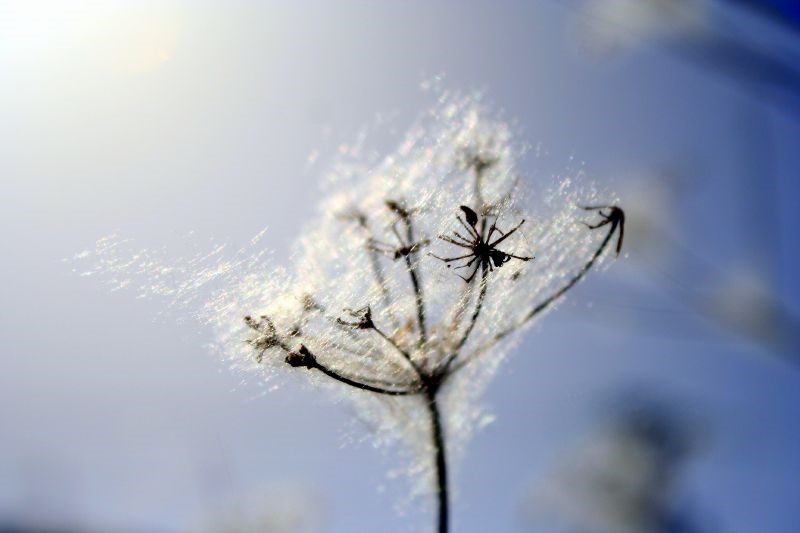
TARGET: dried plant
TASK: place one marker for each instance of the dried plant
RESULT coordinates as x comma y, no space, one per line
411,287
405,295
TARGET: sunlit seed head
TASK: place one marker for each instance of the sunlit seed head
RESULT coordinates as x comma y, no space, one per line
346,299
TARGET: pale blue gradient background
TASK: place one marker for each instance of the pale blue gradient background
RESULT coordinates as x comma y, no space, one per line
112,420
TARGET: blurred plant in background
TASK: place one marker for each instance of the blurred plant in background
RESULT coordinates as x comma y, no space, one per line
737,300
277,508
739,296
627,477
610,24
703,32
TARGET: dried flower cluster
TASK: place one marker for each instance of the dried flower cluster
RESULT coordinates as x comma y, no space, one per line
407,290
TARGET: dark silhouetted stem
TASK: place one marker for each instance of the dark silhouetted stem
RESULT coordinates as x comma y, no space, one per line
579,276
473,320
423,334
614,228
415,282
363,386
304,358
437,434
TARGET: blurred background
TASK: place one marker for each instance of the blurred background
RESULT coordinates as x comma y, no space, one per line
662,397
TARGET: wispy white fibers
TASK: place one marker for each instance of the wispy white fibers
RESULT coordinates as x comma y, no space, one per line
381,221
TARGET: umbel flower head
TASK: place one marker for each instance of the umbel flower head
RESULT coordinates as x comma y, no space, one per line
417,277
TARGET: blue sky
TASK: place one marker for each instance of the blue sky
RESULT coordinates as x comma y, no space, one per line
154,120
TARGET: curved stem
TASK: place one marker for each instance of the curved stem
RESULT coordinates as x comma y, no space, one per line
420,300
405,217
363,386
437,434
579,276
473,320
617,225
304,358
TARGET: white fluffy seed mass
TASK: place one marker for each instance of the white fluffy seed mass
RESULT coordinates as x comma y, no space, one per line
381,223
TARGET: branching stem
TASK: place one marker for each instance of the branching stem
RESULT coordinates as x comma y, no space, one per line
363,386
429,381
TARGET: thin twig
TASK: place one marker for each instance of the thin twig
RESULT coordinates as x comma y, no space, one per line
416,283
304,358
473,320
618,223
363,386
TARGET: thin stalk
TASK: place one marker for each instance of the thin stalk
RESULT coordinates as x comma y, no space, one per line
410,247
473,320
304,358
415,282
580,275
437,435
423,334
363,386
616,225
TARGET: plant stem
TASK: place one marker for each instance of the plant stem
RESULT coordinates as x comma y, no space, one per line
437,433
473,320
423,335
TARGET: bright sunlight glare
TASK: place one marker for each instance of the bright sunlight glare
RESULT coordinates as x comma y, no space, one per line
87,37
